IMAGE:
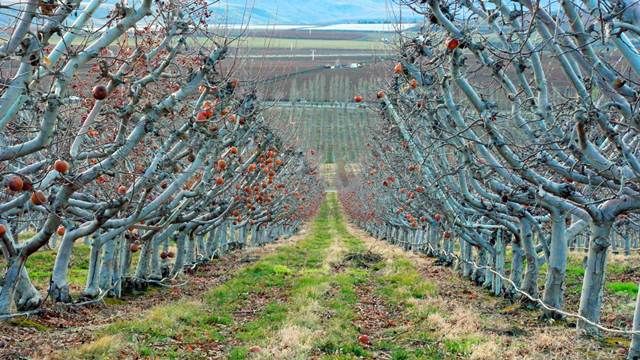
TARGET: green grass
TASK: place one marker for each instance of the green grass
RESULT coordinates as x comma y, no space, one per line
628,288
303,307
212,318
460,347
40,265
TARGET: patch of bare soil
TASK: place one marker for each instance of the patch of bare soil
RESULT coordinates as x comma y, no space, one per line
505,329
362,260
374,316
65,327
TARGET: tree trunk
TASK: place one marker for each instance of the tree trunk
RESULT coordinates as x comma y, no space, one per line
517,260
488,264
554,285
106,268
190,249
499,263
59,287
222,243
634,349
202,249
178,266
212,243
8,291
593,282
466,249
530,285
92,288
155,265
627,243
28,297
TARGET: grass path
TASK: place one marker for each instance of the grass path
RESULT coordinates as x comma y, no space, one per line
334,294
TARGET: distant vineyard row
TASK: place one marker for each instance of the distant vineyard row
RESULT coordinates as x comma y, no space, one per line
336,134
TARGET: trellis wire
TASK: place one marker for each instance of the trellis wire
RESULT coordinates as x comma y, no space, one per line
527,295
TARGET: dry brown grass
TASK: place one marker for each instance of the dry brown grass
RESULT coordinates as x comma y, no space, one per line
462,311
335,253
291,342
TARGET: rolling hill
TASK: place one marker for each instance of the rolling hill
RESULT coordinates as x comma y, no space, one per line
304,11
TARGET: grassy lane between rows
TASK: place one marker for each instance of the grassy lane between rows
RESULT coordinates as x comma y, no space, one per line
325,297
244,310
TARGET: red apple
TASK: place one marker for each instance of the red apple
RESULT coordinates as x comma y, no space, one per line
134,247
38,198
364,339
15,183
453,43
222,165
61,166
99,92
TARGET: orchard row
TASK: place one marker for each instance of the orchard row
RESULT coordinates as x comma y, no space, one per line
135,138
510,131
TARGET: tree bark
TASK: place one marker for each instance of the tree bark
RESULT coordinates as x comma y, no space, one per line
634,348
530,285
554,285
593,282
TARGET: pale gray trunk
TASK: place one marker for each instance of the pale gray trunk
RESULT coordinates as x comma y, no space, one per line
11,279
222,240
627,243
531,274
517,259
478,271
252,237
466,249
125,263
258,239
202,249
92,287
393,236
212,243
554,285
190,249
27,296
436,241
155,270
587,242
106,266
431,249
499,263
178,266
488,275
142,268
634,348
59,287
448,250
116,278
419,240
593,282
